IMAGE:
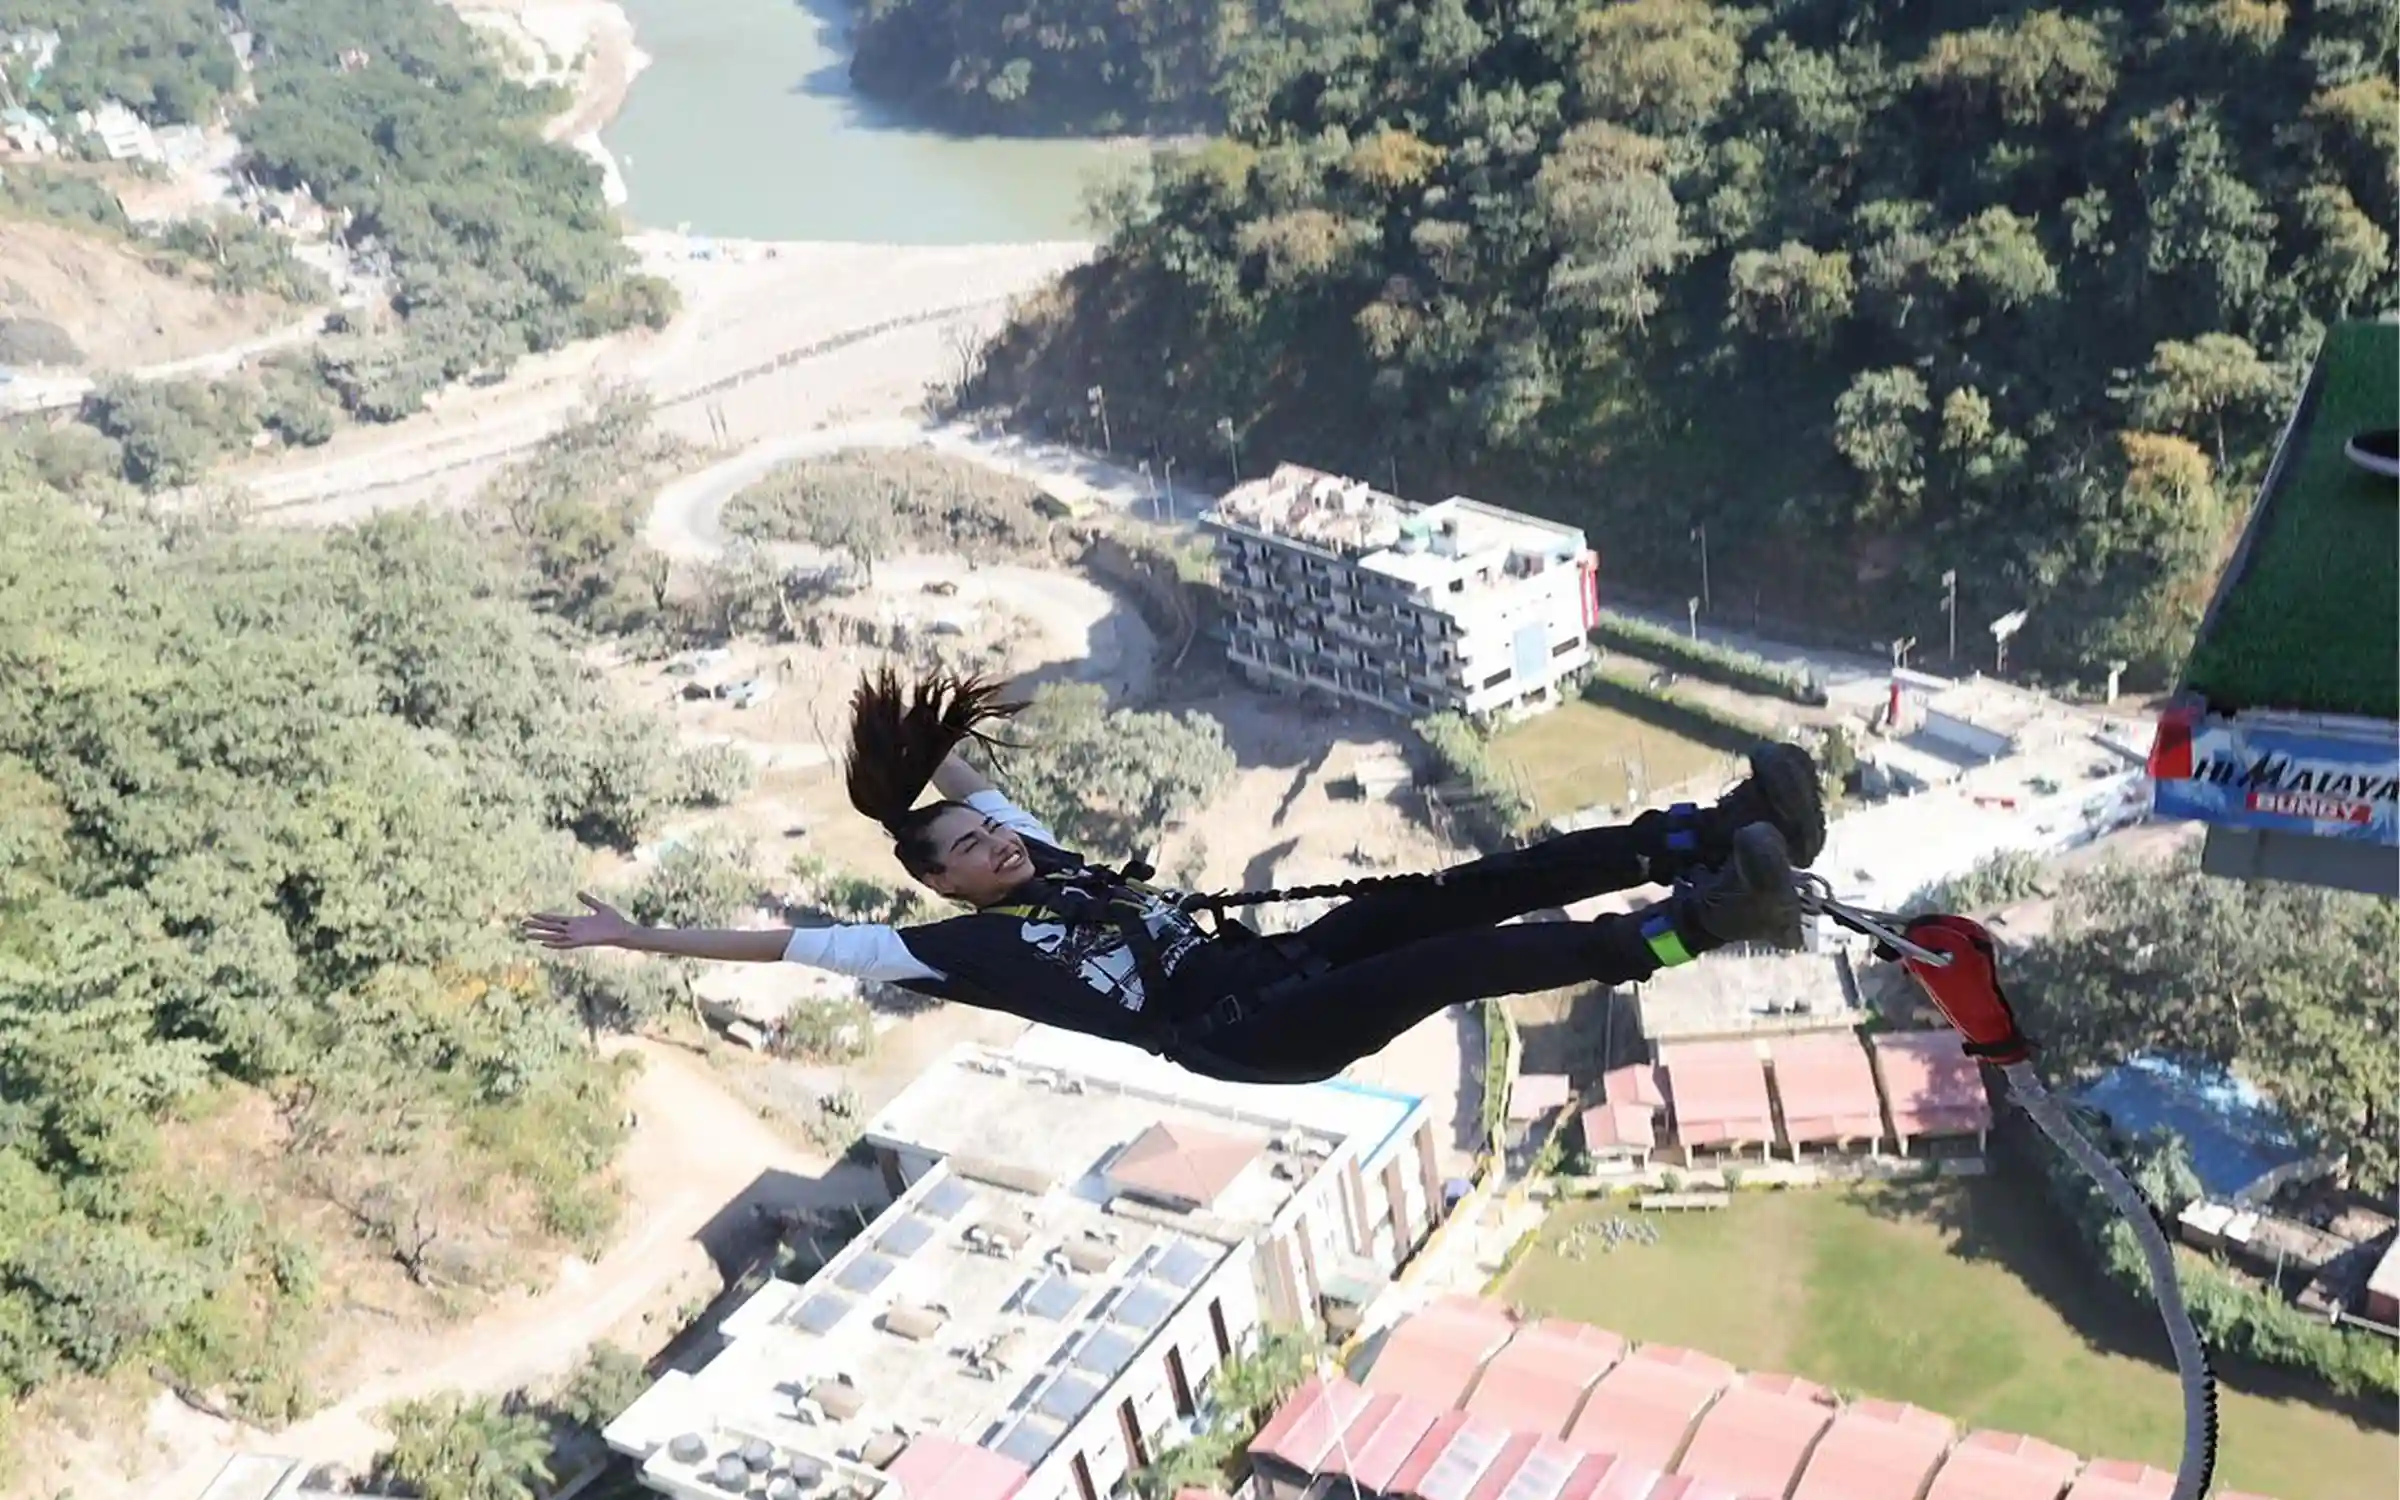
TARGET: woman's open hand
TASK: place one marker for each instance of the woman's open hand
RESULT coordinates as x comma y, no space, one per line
601,926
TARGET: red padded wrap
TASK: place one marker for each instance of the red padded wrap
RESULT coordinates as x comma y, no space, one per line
1967,988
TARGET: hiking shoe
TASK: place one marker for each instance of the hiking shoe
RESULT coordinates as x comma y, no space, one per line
1751,899
2376,452
1782,792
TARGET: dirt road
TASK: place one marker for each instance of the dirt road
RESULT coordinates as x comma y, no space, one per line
696,1151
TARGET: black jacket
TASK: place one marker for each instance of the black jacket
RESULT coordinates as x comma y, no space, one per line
1080,947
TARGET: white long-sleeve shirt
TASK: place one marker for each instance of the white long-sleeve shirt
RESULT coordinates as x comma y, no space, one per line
874,950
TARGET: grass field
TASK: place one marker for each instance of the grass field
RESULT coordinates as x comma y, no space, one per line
2306,624
1580,754
1952,1296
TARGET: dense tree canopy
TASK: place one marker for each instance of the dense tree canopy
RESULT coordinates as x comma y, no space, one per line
2298,989
265,801
1110,781
1877,292
1040,65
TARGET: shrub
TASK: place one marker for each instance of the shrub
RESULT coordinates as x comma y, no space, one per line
2233,1316
1495,803
713,775
36,341
1739,670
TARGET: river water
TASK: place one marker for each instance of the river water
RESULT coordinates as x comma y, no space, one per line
744,126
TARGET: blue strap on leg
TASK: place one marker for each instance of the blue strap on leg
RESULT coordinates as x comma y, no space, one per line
1683,828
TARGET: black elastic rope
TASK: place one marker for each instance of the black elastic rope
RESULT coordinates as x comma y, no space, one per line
1360,886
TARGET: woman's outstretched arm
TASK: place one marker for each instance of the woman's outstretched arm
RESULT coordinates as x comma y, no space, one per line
601,925
861,950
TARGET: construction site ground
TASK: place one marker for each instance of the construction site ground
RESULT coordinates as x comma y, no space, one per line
121,313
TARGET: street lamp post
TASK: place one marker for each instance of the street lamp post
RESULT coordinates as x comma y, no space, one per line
1099,399
1151,485
1900,650
1700,535
1233,448
1691,607
2004,627
1170,489
1950,608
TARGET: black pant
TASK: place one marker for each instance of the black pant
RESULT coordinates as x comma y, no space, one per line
1391,958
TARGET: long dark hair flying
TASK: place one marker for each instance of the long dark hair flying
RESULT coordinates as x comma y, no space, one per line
900,733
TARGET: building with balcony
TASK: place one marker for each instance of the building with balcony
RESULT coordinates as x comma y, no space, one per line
1458,607
1081,1237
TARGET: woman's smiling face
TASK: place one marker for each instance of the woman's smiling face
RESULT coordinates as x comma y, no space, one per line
981,862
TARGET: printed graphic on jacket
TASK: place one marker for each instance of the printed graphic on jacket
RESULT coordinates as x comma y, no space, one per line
1095,950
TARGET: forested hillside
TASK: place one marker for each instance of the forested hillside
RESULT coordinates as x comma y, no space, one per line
1043,66
268,801
497,242
1870,291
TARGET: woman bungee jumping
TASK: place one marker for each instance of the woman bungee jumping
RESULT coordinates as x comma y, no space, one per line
1055,938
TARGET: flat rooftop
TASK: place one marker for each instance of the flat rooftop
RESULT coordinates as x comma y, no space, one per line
1744,994
1337,1109
1420,545
972,1311
1067,1219
993,1115
2302,620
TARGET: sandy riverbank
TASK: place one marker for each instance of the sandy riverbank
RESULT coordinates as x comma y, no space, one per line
585,44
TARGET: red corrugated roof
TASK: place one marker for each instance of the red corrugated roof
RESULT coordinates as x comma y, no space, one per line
1606,1125
1450,1459
1534,1095
2115,1479
1876,1450
1305,1428
1689,1487
1381,1440
1827,1088
1758,1435
2003,1466
1719,1093
1642,1408
935,1468
1930,1085
1538,1382
1605,1476
1433,1356
1637,1084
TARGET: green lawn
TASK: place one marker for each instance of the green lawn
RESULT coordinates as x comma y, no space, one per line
1952,1296
1579,754
2306,625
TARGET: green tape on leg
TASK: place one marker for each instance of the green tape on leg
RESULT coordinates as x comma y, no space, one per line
1667,946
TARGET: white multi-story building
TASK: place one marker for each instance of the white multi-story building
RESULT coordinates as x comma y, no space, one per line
1082,1235
1459,607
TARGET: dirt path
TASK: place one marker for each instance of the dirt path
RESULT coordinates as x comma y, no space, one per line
696,1151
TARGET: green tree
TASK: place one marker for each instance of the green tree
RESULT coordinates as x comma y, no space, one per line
607,1380
457,1448
2297,988
1111,781
264,799
701,881
2193,387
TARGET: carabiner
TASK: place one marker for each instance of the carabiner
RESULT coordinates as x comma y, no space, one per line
1816,895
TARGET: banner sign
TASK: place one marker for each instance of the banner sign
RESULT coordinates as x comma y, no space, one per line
2279,777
